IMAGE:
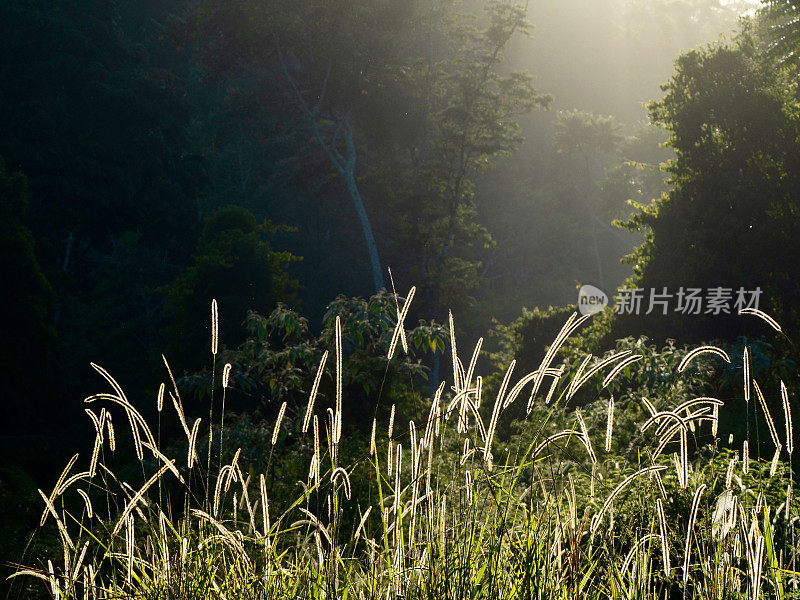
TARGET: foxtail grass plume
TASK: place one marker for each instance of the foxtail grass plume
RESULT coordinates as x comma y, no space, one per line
636,547
276,430
87,503
132,503
400,323
465,452
684,459
763,316
618,368
568,329
214,328
226,374
692,516
112,442
585,432
576,379
473,361
54,494
317,456
576,385
773,467
192,441
95,456
398,458
714,420
403,340
98,423
313,394
454,352
729,472
746,373
340,473
181,417
337,421
362,522
702,350
662,525
660,485
758,561
678,469
770,423
649,406
553,385
745,457
51,510
487,450
129,543
787,415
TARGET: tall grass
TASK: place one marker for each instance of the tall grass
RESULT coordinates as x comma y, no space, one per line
447,513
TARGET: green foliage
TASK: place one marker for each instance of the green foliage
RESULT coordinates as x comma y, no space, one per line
421,105
28,301
279,359
98,129
654,376
587,134
526,339
781,21
733,122
233,255
639,178
486,514
468,120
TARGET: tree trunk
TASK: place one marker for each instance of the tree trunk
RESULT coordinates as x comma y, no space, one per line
345,165
597,257
372,247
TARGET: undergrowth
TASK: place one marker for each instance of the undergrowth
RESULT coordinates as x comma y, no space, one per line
633,497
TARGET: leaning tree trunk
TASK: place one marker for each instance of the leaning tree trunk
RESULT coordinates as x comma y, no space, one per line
348,171
344,165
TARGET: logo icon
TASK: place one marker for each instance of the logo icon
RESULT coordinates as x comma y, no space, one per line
591,300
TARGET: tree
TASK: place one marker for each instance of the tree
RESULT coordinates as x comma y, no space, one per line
235,265
460,116
729,219
589,136
344,164
279,358
27,300
100,130
316,69
638,177
781,21
415,93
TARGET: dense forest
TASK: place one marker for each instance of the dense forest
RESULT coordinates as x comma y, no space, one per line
158,156
318,168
